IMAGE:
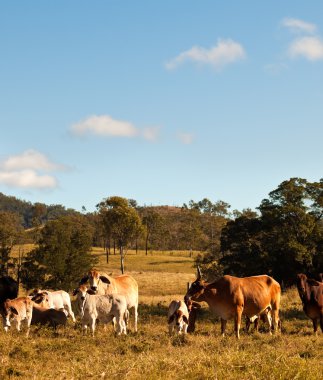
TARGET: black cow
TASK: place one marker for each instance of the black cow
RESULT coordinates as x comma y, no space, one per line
8,288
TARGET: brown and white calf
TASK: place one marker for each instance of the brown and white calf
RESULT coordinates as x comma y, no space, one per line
265,316
177,317
104,308
17,310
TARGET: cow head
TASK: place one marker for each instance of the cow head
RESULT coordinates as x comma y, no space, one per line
197,288
94,277
179,319
301,284
41,298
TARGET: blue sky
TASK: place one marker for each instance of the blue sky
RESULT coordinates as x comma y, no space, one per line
161,102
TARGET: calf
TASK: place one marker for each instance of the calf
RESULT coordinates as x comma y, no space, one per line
45,316
19,309
59,300
265,316
177,317
102,307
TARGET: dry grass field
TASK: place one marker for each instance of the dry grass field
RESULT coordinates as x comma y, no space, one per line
151,353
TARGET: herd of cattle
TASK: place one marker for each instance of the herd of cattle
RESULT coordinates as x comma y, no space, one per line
100,297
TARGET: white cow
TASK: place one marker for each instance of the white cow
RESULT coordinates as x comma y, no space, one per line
102,307
19,309
59,300
177,317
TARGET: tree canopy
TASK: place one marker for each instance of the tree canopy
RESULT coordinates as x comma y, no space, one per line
62,256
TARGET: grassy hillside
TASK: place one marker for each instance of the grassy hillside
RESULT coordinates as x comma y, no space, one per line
151,353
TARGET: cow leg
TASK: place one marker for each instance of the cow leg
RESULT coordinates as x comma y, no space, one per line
321,321
84,329
170,328
223,326
248,323
135,312
237,321
268,319
315,325
70,312
275,319
92,326
119,324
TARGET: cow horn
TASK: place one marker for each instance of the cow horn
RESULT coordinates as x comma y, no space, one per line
199,274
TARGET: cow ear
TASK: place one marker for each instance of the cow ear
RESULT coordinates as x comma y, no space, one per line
14,310
199,273
105,279
90,291
185,319
84,280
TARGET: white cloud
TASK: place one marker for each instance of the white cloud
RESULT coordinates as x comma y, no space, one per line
104,126
225,52
310,48
185,138
28,170
27,179
30,159
298,26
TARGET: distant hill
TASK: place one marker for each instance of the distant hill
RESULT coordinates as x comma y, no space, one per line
32,214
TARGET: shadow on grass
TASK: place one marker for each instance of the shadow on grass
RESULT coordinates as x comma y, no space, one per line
293,313
169,262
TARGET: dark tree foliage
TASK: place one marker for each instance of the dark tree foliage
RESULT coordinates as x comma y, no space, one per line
10,234
62,256
242,253
292,228
284,240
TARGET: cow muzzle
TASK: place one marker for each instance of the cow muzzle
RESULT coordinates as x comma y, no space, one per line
94,288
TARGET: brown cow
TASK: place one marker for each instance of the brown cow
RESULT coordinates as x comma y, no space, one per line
101,283
230,297
19,309
311,295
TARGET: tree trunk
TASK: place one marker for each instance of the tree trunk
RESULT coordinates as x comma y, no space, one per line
122,259
147,245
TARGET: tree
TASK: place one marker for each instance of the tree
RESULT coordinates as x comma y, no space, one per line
152,222
121,222
62,255
292,230
10,234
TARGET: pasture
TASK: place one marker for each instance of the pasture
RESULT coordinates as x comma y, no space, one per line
294,354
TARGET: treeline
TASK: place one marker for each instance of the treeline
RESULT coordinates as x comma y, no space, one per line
32,214
283,237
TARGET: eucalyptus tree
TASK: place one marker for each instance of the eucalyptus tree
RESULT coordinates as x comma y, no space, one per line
121,222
